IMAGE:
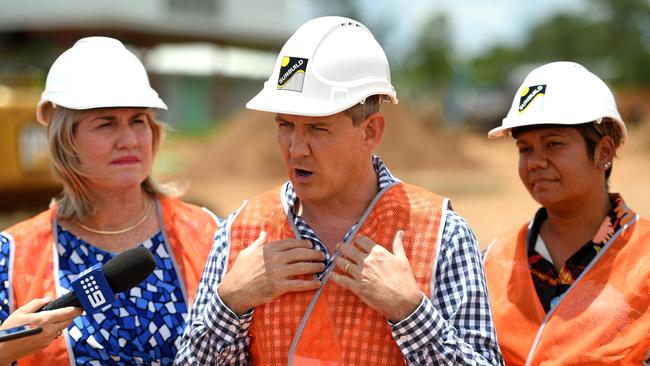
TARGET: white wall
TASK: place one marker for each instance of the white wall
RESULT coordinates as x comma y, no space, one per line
259,20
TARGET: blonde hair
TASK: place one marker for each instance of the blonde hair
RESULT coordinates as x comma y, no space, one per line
74,200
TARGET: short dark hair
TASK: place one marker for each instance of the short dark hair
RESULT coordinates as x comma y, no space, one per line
360,111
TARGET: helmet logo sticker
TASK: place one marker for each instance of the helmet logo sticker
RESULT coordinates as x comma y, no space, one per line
292,73
532,93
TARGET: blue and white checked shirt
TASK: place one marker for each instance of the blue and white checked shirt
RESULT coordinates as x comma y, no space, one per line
454,327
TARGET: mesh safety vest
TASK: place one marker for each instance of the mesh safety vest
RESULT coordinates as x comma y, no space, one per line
602,319
190,232
332,326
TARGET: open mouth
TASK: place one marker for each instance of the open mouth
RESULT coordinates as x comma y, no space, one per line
303,172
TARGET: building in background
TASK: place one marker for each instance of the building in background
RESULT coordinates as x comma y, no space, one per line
205,58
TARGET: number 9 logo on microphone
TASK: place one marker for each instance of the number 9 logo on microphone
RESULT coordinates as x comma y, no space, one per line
92,289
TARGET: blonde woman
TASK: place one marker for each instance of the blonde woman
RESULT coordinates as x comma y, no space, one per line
98,107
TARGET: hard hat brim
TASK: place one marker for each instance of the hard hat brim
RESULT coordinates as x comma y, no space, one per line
295,103
498,132
508,125
77,103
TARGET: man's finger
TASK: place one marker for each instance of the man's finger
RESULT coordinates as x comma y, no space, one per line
345,282
302,255
364,243
353,253
261,239
398,247
302,268
299,285
288,244
347,267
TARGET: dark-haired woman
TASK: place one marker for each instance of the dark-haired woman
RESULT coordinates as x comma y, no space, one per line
571,286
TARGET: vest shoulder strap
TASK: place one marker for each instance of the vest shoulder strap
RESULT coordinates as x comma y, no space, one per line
190,231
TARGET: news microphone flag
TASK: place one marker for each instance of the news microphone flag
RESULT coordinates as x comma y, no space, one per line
92,290
122,272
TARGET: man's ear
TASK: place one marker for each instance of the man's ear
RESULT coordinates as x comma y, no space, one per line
373,128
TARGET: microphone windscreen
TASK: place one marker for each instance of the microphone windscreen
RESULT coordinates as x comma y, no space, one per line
129,268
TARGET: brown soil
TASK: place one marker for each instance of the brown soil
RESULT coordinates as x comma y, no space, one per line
247,147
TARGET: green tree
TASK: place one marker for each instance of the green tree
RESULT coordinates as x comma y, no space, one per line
612,38
627,37
428,65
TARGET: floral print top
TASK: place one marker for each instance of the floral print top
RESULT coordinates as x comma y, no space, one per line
551,284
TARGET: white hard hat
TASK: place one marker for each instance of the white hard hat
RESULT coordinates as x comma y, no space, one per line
328,65
97,72
562,93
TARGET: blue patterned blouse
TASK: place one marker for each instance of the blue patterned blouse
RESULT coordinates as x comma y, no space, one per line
142,324
5,252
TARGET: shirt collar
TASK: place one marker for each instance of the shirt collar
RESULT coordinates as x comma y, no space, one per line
618,216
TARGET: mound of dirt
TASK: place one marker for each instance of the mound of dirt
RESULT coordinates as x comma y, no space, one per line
247,148
411,144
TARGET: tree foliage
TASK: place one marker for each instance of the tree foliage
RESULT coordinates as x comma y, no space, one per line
612,37
428,65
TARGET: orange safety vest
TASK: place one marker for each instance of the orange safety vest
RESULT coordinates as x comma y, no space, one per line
337,328
603,318
190,231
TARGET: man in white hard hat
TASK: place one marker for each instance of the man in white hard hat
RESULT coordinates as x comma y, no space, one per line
344,264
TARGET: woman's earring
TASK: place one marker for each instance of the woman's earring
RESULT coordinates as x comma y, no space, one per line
607,165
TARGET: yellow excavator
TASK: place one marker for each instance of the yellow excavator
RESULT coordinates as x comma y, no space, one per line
25,175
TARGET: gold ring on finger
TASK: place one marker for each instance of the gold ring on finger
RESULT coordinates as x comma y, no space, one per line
347,267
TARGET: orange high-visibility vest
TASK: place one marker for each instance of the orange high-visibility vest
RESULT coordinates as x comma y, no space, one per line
190,231
603,318
338,328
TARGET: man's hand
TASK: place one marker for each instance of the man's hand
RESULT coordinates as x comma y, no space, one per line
383,280
263,272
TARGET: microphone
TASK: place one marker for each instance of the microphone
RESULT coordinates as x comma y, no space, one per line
122,272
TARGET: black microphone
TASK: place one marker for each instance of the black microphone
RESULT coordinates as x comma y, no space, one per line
123,272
